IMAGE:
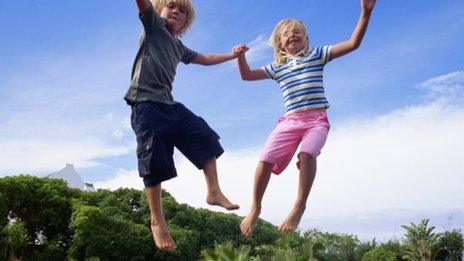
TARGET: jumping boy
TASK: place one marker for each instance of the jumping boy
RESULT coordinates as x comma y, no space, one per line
159,122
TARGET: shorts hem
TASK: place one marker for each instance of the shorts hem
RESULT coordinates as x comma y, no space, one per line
153,182
200,164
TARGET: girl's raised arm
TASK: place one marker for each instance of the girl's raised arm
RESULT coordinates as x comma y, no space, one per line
354,42
244,68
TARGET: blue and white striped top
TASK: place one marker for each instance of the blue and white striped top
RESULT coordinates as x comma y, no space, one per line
301,80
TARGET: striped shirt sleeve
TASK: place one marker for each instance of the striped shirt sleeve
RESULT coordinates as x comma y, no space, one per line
325,57
269,71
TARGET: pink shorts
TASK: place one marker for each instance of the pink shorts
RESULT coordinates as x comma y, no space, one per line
310,128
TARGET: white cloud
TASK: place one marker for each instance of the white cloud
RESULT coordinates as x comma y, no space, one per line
37,155
37,142
409,158
66,107
259,49
448,87
123,179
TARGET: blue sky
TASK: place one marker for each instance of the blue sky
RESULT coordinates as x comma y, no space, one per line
396,115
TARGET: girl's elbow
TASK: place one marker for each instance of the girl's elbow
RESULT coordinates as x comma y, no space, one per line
355,45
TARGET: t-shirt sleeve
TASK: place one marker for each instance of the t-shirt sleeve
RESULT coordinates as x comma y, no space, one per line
151,20
325,56
189,54
269,71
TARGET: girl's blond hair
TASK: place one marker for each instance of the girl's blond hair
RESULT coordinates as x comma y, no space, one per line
158,5
280,56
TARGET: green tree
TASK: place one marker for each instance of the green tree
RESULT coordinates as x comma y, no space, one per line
379,254
227,252
451,246
333,246
3,211
14,239
364,247
97,233
44,207
396,247
421,242
291,247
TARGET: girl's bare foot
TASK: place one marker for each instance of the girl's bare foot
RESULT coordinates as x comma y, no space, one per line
218,199
293,219
162,238
249,223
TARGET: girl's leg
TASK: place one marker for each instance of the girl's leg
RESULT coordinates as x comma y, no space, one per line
215,196
262,176
307,174
158,224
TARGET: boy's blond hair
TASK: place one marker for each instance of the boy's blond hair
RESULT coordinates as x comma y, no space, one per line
280,56
158,5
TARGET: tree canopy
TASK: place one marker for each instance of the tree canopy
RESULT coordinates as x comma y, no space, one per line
43,219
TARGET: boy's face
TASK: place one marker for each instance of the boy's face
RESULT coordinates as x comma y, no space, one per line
292,38
175,16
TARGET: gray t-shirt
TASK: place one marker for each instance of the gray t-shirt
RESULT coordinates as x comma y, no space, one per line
156,61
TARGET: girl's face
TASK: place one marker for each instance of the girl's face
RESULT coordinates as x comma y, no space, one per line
175,16
292,38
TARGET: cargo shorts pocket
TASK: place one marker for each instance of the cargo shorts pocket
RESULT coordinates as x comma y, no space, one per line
145,152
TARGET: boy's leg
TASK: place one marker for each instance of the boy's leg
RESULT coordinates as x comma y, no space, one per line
158,224
307,174
200,144
262,176
215,196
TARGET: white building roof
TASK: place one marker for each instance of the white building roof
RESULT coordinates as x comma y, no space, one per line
71,177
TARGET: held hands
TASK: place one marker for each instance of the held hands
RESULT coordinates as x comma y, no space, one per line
367,5
239,49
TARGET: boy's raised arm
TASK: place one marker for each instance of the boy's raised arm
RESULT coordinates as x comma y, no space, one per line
143,5
212,59
354,42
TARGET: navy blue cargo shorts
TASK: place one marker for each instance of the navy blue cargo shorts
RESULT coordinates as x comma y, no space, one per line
161,127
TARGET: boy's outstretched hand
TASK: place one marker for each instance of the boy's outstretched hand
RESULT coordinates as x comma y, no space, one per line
239,49
368,5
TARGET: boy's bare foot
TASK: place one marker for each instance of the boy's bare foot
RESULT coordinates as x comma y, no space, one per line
162,238
249,223
218,199
293,219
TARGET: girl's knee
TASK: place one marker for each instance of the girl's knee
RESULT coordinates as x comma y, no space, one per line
304,156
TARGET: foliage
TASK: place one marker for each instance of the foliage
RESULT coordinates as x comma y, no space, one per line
14,238
421,241
3,211
227,251
363,248
44,208
42,219
96,233
379,254
451,246
396,247
332,246
303,251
